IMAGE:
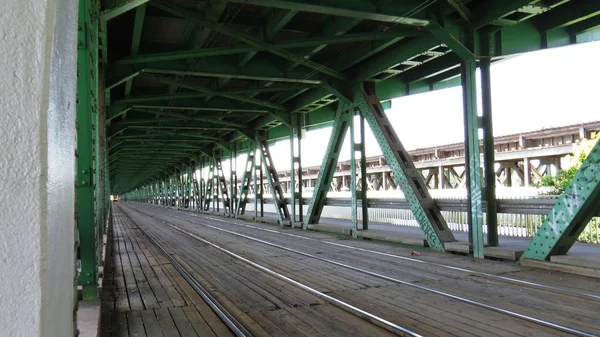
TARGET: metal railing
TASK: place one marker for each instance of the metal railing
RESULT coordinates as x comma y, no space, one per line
517,217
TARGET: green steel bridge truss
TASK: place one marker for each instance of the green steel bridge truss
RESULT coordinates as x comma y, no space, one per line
167,88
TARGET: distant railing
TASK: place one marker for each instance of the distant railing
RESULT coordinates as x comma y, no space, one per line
517,217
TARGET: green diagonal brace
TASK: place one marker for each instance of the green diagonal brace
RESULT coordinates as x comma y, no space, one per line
571,213
248,169
338,132
415,191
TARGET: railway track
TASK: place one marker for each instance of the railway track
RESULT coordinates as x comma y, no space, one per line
463,299
237,328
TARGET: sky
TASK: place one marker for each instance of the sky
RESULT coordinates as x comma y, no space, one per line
537,90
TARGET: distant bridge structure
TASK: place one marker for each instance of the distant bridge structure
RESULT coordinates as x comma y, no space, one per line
522,159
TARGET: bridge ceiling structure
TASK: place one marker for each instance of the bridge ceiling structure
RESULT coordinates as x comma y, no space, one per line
184,78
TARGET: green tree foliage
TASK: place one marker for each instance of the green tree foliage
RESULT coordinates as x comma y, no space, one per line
556,185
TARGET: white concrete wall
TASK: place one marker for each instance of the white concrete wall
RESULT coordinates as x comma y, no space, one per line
38,46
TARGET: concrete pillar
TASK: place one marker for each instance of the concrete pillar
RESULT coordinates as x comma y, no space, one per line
38,47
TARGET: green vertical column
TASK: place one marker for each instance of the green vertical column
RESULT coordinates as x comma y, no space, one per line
233,179
87,110
363,174
292,173
472,153
353,177
298,161
488,142
358,194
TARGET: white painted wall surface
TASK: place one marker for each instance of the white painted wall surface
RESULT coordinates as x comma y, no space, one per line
38,45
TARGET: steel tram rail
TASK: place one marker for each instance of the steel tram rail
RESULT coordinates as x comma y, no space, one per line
391,279
465,270
236,327
379,321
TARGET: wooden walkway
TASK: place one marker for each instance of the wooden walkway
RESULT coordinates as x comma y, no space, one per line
268,306
143,294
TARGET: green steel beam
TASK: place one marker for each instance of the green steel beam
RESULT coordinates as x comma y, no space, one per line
215,26
385,10
446,37
211,92
224,106
333,28
472,156
257,90
122,80
395,33
261,70
200,38
568,14
138,25
328,166
120,9
571,213
415,191
87,110
489,11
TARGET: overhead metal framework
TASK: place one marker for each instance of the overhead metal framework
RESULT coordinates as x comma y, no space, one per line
187,79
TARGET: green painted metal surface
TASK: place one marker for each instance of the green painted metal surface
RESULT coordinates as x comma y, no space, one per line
472,158
571,213
281,207
89,214
409,180
334,146
245,183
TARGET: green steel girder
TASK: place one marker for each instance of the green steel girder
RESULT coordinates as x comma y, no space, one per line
386,10
257,70
328,166
584,26
138,24
281,207
395,33
567,14
446,37
117,110
198,35
162,126
88,215
209,23
122,80
249,91
472,157
209,194
571,213
211,92
120,9
415,191
331,29
488,12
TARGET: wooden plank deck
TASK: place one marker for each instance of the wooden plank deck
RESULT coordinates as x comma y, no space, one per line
272,307
143,295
